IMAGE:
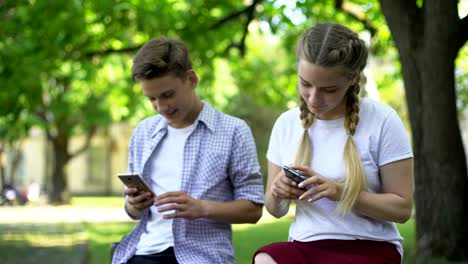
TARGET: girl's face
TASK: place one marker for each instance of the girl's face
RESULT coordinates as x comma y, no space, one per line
323,90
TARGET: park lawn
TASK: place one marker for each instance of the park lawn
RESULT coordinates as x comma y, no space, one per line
101,236
247,238
54,243
42,243
97,201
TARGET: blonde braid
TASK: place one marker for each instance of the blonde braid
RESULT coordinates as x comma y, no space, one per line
304,150
336,46
355,181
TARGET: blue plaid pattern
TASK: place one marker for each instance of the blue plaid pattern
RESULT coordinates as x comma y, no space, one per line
220,163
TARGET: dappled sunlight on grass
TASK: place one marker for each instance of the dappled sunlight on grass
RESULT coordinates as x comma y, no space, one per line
36,243
59,242
42,240
102,235
98,201
105,232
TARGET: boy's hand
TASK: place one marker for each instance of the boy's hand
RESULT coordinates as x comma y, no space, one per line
139,200
184,205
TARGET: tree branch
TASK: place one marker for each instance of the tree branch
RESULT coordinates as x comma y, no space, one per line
231,16
462,32
352,12
249,11
250,17
89,136
112,51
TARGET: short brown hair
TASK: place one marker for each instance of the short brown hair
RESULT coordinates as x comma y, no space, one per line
159,57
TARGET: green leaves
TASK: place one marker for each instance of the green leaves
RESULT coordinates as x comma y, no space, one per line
70,61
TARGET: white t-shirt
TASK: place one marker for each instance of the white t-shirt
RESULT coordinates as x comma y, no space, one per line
380,138
166,174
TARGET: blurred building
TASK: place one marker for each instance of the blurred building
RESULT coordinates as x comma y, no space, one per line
93,172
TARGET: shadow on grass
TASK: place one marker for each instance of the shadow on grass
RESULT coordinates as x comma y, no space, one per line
61,243
42,243
100,237
247,238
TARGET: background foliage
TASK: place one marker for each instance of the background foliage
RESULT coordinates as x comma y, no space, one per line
64,65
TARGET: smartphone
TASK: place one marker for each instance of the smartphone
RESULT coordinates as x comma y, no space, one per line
294,175
134,180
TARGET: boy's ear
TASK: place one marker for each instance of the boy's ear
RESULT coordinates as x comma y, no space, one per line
192,77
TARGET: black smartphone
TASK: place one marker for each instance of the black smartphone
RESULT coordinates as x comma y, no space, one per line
134,180
294,175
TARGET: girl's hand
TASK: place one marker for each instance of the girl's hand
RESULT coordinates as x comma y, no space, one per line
318,186
285,188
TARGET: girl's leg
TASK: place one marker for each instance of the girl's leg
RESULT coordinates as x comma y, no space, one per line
263,258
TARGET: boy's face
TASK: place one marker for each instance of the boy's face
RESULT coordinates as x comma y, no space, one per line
174,98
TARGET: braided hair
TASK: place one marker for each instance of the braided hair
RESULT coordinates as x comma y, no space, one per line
333,45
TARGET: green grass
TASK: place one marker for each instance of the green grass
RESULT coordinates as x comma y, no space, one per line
100,237
59,243
55,243
42,243
247,239
97,201
407,231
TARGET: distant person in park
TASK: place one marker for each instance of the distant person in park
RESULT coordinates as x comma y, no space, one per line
201,164
355,154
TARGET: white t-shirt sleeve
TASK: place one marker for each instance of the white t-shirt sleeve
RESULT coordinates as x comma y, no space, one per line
285,137
273,153
394,143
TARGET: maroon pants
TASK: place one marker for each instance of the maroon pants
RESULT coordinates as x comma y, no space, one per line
333,251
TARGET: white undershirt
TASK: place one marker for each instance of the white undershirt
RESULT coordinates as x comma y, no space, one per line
166,174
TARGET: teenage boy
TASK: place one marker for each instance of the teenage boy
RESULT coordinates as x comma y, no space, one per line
201,164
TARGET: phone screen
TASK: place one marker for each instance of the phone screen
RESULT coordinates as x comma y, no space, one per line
135,181
294,175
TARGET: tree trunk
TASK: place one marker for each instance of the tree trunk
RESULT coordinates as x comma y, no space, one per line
426,41
109,151
2,176
2,166
59,192
17,156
